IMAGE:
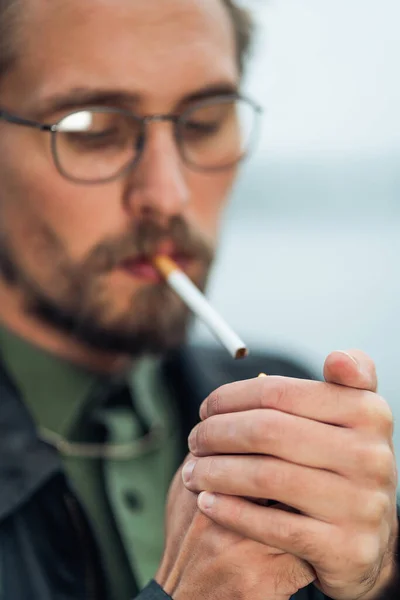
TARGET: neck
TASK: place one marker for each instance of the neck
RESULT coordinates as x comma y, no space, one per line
16,319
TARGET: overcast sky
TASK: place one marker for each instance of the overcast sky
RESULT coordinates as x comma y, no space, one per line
327,71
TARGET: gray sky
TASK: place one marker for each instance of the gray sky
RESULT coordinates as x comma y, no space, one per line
327,71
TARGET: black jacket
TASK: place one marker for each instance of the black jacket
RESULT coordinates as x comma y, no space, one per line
47,551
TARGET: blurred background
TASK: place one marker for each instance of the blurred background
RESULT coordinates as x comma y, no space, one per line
309,260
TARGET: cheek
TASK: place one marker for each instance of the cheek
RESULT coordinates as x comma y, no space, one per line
81,216
35,197
209,196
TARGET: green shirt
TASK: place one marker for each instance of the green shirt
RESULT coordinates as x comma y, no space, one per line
123,493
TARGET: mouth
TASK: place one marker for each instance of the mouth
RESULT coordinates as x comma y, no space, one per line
142,267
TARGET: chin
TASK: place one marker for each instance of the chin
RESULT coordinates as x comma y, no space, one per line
153,321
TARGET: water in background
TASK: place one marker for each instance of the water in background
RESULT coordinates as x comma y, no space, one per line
309,262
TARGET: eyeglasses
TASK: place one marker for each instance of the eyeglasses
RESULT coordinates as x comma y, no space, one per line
98,145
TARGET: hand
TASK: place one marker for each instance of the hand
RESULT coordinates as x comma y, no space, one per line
322,448
203,561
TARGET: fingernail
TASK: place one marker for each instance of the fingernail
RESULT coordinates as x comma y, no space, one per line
350,356
192,441
187,471
206,501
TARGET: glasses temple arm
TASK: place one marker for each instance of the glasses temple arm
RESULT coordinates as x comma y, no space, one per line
23,122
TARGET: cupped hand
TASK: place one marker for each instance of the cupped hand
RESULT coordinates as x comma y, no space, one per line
323,448
205,561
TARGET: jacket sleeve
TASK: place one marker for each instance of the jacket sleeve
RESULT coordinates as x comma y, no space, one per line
153,592
393,591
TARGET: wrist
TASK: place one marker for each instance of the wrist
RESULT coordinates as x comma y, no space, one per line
388,585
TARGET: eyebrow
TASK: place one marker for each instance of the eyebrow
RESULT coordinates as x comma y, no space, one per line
210,91
78,97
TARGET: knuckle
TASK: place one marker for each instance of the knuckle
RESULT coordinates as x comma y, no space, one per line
265,428
237,512
375,507
203,434
288,534
383,465
278,479
234,512
269,478
213,402
376,412
385,418
365,552
212,472
362,457
367,408
258,433
259,476
274,392
377,462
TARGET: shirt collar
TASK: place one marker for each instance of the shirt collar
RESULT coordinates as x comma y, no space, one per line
53,390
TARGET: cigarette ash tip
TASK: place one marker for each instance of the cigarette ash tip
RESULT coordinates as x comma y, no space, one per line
241,353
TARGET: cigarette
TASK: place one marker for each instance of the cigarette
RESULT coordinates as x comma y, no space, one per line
196,301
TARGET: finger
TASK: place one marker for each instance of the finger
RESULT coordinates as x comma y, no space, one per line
294,439
352,369
315,400
308,490
274,433
296,534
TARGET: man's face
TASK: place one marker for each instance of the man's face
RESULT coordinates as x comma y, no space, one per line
77,251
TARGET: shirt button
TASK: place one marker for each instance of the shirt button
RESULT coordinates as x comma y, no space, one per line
133,501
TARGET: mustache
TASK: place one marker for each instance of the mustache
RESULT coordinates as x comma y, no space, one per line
143,242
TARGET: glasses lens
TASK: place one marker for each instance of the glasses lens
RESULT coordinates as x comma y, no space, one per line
218,135
96,145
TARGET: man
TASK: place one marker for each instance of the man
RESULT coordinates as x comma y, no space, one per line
120,140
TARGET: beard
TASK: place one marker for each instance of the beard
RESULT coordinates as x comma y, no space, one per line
75,298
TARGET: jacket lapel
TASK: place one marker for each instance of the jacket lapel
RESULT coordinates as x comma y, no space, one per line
26,463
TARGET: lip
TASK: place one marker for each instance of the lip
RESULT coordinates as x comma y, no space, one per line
142,267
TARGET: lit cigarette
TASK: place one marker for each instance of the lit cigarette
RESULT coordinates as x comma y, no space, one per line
195,300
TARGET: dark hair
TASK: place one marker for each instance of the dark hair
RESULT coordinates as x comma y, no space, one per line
9,10
243,26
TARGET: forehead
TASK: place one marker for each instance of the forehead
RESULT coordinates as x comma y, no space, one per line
157,49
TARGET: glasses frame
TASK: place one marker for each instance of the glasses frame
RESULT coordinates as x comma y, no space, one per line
176,120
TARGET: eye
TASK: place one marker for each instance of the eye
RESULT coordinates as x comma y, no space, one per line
95,129
200,128
96,139
105,134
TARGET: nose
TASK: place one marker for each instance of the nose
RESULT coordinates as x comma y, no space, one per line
156,187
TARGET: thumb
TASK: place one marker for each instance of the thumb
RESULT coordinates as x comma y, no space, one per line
353,369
